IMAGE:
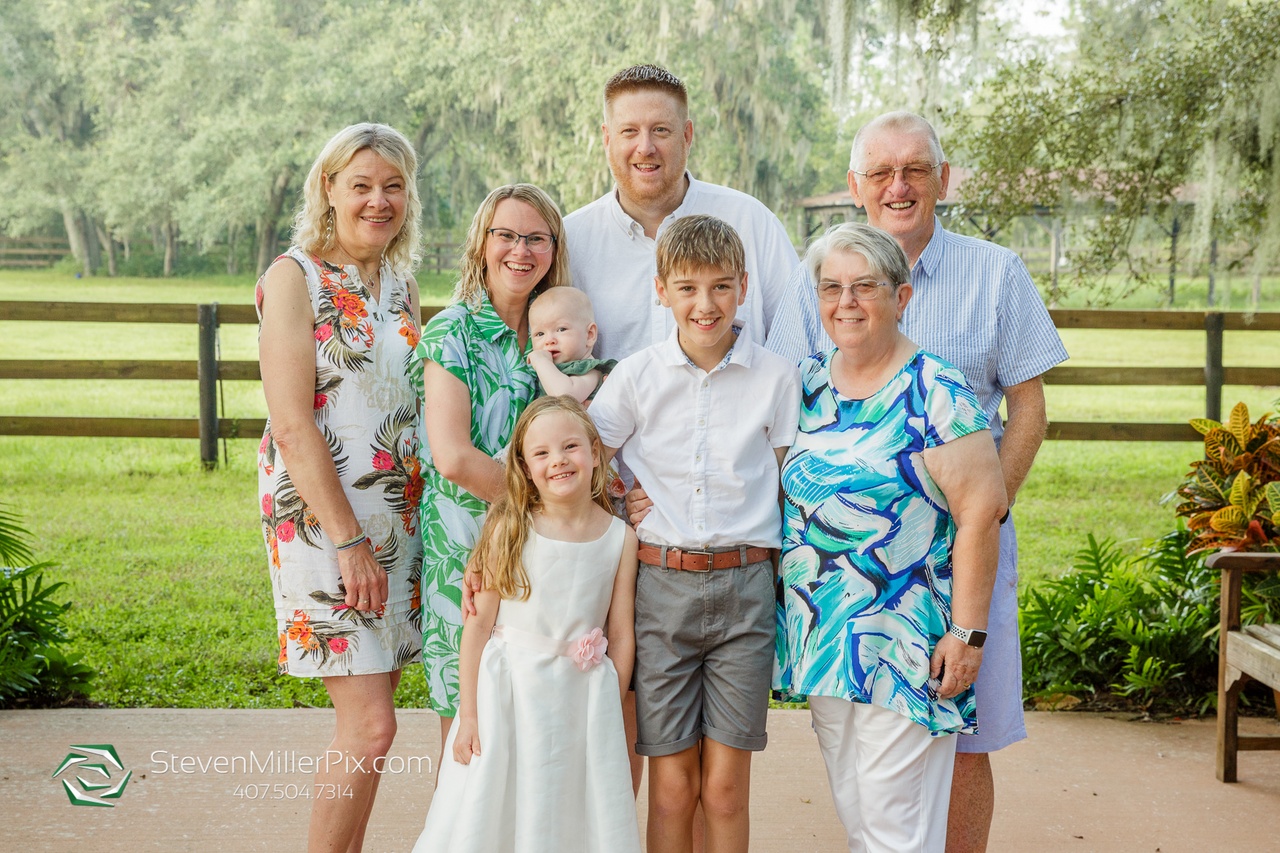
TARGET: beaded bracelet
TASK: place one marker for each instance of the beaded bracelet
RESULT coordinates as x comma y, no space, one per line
354,541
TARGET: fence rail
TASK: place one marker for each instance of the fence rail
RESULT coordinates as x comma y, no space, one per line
208,371
32,251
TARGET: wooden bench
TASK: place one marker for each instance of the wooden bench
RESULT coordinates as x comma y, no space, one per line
1252,652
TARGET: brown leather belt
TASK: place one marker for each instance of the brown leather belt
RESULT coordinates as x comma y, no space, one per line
702,561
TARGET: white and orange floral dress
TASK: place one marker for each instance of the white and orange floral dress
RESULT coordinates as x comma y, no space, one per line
368,409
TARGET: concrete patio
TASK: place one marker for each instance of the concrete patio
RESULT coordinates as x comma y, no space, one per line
1082,782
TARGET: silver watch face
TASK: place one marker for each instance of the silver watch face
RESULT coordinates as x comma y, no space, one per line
973,637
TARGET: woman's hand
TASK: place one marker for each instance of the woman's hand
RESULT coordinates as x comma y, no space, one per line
956,663
363,578
466,742
472,582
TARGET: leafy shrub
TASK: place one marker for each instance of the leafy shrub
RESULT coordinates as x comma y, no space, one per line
1231,498
33,668
1141,627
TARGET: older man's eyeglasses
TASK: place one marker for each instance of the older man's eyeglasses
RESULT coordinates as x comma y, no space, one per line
537,243
865,288
912,173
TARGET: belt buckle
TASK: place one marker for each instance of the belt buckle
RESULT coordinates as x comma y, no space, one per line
711,559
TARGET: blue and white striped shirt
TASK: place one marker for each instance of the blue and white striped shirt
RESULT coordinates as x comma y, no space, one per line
974,305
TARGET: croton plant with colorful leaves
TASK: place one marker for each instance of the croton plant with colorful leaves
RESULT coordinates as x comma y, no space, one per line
1231,498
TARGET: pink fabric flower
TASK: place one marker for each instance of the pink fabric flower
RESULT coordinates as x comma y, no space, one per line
323,333
589,649
320,401
266,504
338,645
382,461
285,531
266,440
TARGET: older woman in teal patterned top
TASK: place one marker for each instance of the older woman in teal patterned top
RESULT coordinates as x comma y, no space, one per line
476,382
893,502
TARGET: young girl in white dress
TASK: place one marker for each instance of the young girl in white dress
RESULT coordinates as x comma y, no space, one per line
537,759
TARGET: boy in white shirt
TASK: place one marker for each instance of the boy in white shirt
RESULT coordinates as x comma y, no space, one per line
703,419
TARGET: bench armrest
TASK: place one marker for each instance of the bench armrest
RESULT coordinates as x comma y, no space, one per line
1245,561
1233,565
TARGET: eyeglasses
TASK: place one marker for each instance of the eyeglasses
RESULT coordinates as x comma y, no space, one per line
539,244
912,173
833,291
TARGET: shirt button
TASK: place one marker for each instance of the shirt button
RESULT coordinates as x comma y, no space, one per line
701,422
657,301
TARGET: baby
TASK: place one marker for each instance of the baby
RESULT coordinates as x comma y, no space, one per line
562,330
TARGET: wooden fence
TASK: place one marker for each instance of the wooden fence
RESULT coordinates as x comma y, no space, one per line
208,371
45,251
32,251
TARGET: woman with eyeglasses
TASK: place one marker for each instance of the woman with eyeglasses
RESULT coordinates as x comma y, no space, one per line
476,382
890,538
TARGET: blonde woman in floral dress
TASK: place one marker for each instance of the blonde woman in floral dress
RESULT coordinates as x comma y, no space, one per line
476,382
339,480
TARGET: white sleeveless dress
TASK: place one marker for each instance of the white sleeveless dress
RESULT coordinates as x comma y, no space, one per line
553,773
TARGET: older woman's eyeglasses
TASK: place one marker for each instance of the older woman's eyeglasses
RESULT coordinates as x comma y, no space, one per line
537,243
866,288
912,173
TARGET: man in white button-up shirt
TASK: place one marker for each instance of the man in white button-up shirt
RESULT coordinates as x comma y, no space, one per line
647,137
611,241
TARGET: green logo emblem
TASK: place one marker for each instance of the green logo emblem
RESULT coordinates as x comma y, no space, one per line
90,766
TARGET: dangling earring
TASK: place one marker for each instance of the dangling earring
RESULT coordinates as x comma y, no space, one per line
328,227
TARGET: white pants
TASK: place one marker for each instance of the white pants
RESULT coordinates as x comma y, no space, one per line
891,782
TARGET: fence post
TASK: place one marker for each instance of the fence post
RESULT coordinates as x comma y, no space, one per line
1213,323
207,378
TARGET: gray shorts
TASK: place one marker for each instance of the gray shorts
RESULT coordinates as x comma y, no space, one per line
704,657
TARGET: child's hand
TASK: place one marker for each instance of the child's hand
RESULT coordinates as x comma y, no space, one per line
541,356
638,504
467,742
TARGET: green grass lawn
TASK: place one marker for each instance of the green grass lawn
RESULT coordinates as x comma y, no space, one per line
164,561
1232,292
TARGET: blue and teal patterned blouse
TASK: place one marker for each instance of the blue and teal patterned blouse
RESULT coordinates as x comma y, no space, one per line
865,577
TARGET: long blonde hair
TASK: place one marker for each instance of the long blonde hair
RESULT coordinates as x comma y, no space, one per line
499,556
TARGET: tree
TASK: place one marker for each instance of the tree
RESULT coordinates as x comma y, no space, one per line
46,130
194,121
1157,98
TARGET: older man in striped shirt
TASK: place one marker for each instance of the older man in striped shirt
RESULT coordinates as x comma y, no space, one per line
974,304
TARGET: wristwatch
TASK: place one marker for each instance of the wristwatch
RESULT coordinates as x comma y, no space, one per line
970,636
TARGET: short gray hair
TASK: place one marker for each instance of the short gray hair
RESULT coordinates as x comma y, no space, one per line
901,121
885,257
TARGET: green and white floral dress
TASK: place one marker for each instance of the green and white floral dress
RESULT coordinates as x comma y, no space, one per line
483,352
